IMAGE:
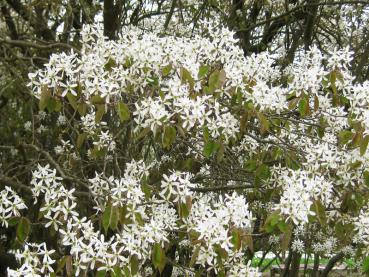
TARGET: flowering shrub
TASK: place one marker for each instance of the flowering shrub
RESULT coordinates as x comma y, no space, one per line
182,153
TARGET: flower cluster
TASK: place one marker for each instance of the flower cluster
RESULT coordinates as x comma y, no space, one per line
292,139
299,192
10,205
36,260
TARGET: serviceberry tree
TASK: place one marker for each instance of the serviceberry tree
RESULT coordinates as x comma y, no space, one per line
177,152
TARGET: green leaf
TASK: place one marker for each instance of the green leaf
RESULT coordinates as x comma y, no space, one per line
250,166
271,222
184,210
263,172
72,100
365,264
82,108
194,256
286,238
203,71
81,139
13,221
97,99
332,78
304,108
117,272
166,70
158,257
61,263
236,239
110,64
293,103
134,265
169,136
364,145
264,123
23,229
123,111
110,217
100,111
186,77
210,148
247,239
282,226
345,136
316,103
53,105
216,80
115,218
319,209
44,99
366,178
100,273
220,153
106,217
356,140
206,134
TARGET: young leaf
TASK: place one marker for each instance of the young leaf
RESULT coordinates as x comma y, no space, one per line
264,123
304,108
186,77
169,136
364,145
236,239
319,210
100,273
23,229
286,238
44,99
216,80
123,111
220,153
166,70
110,217
271,222
203,70
81,139
263,172
82,108
210,148
366,178
365,265
250,166
194,256
249,242
134,265
158,257
72,100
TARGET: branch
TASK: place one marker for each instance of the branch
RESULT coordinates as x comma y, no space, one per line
56,165
223,188
331,263
23,43
364,2
13,183
38,23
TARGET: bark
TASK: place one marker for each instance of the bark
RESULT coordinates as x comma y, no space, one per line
38,23
111,12
331,264
310,23
295,265
315,272
9,22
